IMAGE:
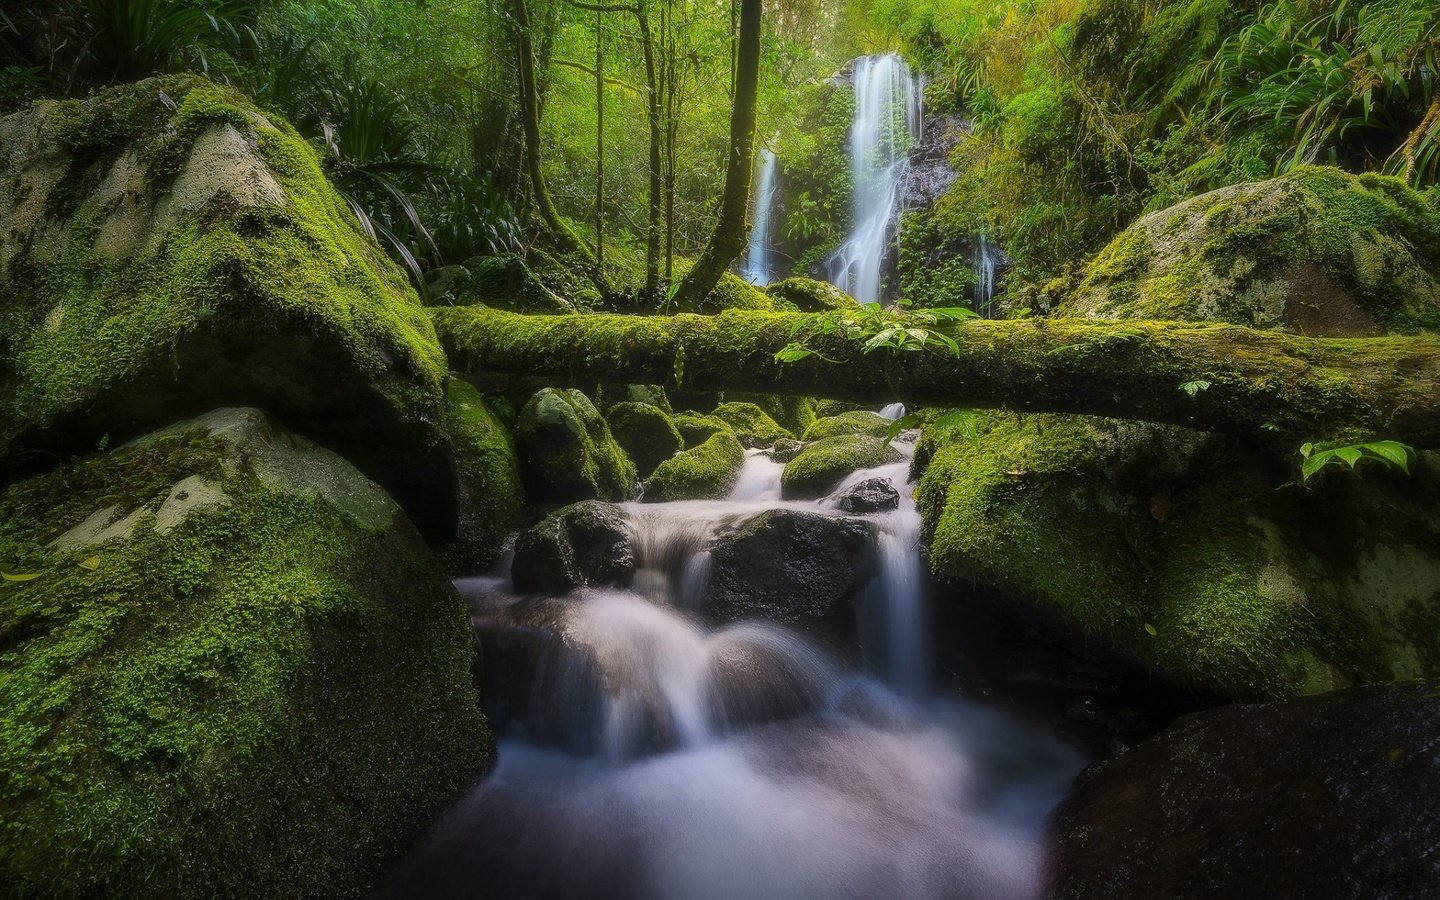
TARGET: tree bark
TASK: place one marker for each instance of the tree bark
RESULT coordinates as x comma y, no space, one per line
653,100
728,238
564,238
1262,383
599,140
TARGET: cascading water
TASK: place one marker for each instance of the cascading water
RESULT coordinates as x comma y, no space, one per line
650,756
887,123
985,262
758,267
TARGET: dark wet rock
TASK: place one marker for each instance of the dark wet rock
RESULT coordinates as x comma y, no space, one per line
870,496
584,543
1333,795
794,568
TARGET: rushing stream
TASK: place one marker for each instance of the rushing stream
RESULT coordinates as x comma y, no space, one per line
674,760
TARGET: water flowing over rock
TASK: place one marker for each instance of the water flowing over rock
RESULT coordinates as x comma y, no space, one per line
758,269
887,122
584,543
870,496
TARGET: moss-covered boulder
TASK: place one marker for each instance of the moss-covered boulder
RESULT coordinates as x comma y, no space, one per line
1316,251
230,668
584,543
730,292
790,412
1194,556
169,249
567,452
607,394
820,467
646,433
491,495
705,472
697,428
751,424
809,295
506,281
860,421
1175,550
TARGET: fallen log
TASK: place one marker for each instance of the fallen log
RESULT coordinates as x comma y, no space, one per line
1215,377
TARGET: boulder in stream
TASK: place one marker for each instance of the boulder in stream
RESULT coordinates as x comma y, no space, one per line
822,465
645,432
752,425
795,568
491,495
584,543
1335,795
231,668
706,472
859,421
567,452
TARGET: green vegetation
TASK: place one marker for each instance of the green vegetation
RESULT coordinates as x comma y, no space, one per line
751,424
233,657
819,468
567,452
645,432
491,494
704,472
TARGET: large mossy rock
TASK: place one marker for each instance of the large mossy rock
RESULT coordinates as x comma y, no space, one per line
1194,556
794,568
704,472
584,543
1327,796
646,433
752,425
811,296
1315,251
170,249
821,466
567,452
697,428
491,497
860,421
236,671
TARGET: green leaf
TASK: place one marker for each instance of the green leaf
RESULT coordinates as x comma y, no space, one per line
92,563
792,353
1150,630
1393,452
1349,455
1314,463
25,577
1193,388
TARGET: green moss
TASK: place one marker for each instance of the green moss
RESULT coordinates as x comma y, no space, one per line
810,296
492,496
79,322
644,432
1314,250
567,452
232,708
793,413
855,422
696,429
505,281
706,472
817,469
751,424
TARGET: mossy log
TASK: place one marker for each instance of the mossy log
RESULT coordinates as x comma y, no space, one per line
1211,376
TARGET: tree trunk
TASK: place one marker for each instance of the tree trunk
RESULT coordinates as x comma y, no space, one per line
728,238
599,139
560,233
1262,383
651,292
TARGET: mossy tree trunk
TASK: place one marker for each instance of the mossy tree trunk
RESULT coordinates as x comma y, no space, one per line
1254,382
728,238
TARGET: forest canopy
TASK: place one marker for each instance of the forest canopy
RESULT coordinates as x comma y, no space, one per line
1082,114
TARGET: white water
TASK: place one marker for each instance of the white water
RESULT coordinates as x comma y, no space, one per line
985,261
744,761
887,123
892,411
758,267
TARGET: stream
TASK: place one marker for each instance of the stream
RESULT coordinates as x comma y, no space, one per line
644,753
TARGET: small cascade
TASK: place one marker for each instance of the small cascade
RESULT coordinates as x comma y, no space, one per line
985,261
892,411
645,751
887,123
759,269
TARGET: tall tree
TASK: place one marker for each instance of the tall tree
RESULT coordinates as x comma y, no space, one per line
728,238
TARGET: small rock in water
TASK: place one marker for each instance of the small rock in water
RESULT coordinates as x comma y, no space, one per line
870,496
786,449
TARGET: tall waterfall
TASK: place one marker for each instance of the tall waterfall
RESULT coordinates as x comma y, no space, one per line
886,124
758,268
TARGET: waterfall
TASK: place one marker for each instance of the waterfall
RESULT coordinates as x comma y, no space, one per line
886,125
985,260
758,268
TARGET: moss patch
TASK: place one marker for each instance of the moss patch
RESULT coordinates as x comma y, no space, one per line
645,433
854,422
706,472
567,452
491,495
269,699
696,429
821,466
751,424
